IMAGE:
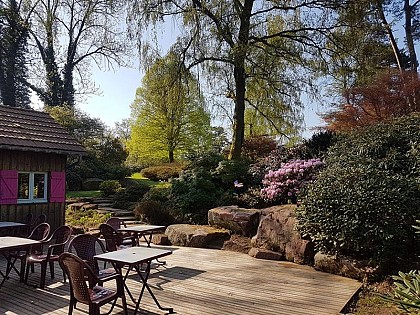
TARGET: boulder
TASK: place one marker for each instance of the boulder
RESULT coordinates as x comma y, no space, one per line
239,220
160,239
350,268
261,253
195,235
277,232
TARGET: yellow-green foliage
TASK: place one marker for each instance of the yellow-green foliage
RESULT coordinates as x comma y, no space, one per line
85,219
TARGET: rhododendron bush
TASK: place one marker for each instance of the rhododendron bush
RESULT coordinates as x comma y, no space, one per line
284,184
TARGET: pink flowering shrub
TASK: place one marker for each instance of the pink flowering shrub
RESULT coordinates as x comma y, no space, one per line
284,184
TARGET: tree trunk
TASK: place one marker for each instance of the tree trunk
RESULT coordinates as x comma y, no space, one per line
409,35
391,37
240,80
171,156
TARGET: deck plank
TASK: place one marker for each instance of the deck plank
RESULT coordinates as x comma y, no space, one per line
205,282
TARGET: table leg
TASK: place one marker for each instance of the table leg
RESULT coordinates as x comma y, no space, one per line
144,278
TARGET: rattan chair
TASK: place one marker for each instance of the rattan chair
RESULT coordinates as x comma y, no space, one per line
39,233
113,240
56,242
85,290
86,246
127,238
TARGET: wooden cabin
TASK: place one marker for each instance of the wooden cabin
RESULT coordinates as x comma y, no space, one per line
33,153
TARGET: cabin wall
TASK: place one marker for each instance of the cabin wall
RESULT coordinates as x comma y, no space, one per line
33,162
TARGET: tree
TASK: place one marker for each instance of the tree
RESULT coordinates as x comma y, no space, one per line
248,43
67,35
13,47
391,95
168,114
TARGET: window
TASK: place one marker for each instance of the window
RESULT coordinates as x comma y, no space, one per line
32,187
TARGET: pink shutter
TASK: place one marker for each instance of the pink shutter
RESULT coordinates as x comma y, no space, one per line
58,187
8,187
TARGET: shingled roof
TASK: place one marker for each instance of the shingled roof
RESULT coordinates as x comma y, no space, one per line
30,130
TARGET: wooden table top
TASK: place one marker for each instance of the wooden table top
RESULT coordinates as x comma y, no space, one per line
7,224
133,255
143,228
11,242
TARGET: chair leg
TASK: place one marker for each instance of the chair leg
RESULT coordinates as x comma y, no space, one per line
71,305
28,265
43,274
22,268
52,269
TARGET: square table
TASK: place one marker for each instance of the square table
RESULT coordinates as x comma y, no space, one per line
134,257
11,225
8,243
142,230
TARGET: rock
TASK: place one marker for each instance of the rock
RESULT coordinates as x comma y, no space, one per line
195,235
239,220
76,206
261,253
90,206
160,239
350,268
277,232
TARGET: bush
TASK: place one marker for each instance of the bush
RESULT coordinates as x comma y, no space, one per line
364,203
193,194
109,187
285,184
126,198
85,219
257,147
161,172
231,171
153,212
92,184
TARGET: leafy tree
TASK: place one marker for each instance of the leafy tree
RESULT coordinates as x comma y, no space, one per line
13,47
106,154
391,95
254,50
66,36
168,114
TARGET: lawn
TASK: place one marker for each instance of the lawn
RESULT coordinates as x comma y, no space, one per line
83,193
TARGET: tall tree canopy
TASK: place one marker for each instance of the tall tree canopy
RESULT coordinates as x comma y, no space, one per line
168,114
13,48
256,50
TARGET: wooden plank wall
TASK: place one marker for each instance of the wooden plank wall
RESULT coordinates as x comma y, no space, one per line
33,162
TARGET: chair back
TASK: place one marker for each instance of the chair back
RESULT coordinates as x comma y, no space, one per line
28,219
85,247
76,269
116,223
60,236
39,219
40,232
112,239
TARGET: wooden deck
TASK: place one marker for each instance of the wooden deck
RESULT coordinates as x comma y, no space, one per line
203,282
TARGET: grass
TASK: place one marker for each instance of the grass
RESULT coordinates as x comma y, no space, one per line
137,177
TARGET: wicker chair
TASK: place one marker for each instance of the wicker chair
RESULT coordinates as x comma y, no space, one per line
56,242
37,221
127,238
86,246
85,290
113,240
39,233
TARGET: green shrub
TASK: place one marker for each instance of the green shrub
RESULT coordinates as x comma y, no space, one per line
161,172
92,184
230,171
153,212
193,194
109,187
366,200
126,198
85,219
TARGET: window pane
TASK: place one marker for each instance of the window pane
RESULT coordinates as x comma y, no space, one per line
23,186
39,186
